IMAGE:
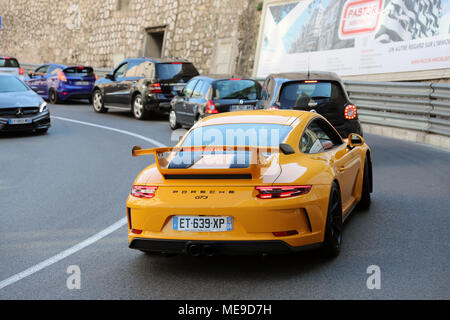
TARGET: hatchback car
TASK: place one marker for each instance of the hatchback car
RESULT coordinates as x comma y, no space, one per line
21,109
58,83
11,66
323,92
206,95
142,85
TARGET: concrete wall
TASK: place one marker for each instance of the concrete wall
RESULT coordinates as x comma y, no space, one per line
101,33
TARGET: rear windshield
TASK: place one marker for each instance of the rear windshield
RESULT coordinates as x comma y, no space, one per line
11,84
243,134
9,63
79,71
167,71
237,89
295,94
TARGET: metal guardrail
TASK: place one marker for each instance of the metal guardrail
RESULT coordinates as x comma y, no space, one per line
408,105
417,106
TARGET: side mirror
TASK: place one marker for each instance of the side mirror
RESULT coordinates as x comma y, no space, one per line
109,77
286,149
355,140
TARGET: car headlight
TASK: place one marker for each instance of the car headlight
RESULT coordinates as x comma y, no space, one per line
43,107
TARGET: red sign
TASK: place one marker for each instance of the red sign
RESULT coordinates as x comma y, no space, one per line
360,17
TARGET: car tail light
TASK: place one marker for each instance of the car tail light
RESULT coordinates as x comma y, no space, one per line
282,191
96,77
311,81
136,231
285,233
235,79
144,192
211,108
351,112
21,71
62,77
154,88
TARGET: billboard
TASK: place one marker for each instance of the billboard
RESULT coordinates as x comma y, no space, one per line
355,37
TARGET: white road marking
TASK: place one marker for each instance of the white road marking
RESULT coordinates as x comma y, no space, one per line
154,142
80,246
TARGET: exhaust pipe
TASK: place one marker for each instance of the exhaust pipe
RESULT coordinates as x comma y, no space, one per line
209,251
194,250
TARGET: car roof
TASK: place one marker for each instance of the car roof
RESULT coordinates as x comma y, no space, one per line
219,77
281,117
307,75
158,60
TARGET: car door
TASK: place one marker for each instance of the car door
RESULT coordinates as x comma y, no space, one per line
35,81
196,101
180,103
114,91
321,139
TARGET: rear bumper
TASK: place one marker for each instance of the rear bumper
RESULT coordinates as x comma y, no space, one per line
39,122
157,102
217,247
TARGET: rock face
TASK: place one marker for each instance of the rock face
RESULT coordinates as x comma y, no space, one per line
218,36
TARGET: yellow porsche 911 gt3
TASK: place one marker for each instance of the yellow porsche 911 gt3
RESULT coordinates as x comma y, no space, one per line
251,182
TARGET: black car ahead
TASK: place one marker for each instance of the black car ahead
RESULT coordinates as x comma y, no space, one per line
206,95
21,109
142,85
323,92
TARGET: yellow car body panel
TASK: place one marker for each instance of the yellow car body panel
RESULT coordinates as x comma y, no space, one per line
254,219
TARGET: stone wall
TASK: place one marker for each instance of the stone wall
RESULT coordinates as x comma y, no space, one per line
101,33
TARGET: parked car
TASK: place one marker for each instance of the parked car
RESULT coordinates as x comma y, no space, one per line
57,82
206,95
323,92
11,66
142,85
21,109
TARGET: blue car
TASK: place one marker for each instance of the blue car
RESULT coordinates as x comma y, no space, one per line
57,83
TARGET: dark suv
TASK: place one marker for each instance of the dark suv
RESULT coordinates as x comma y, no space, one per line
142,85
323,92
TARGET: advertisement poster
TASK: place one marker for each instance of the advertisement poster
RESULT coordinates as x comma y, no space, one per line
354,37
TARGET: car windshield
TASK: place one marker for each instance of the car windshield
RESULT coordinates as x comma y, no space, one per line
245,134
293,94
237,89
166,71
11,84
8,63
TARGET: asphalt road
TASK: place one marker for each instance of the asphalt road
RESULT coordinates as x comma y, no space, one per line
59,189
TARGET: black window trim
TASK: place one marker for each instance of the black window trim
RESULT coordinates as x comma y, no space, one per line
337,136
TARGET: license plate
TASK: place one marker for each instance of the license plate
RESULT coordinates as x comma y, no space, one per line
82,83
202,224
20,121
178,88
242,107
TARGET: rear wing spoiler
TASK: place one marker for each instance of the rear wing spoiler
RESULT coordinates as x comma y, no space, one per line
257,159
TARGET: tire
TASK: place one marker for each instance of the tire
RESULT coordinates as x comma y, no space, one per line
173,123
334,225
366,200
138,108
53,97
97,102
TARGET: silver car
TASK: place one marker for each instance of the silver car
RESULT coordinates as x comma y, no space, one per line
11,66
